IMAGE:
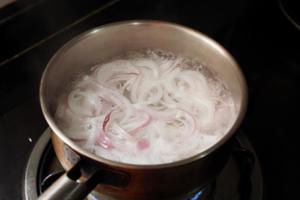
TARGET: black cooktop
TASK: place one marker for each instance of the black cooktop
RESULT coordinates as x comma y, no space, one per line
255,32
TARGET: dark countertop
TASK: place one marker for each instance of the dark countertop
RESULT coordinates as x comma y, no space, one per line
255,33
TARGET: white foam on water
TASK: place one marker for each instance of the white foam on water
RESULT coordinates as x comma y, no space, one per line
148,107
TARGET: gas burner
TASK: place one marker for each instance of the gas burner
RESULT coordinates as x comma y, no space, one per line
241,179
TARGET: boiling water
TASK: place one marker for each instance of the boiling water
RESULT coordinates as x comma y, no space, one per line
149,107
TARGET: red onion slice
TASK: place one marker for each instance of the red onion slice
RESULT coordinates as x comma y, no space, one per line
104,141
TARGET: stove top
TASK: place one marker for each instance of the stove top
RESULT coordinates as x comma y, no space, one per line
254,31
241,179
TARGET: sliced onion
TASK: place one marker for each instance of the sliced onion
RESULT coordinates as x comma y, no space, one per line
144,63
105,71
145,110
104,141
143,144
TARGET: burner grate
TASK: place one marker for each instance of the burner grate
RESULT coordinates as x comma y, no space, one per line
242,172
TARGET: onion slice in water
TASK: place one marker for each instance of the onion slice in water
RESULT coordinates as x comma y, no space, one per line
149,107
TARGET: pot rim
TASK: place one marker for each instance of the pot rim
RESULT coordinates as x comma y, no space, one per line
81,151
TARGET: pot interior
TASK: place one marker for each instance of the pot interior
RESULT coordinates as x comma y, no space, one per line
102,43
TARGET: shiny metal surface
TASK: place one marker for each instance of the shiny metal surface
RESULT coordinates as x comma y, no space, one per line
33,168
114,39
104,42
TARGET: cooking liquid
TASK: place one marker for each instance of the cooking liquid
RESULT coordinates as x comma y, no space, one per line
147,107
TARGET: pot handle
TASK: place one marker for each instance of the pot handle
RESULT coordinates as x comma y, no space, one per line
67,187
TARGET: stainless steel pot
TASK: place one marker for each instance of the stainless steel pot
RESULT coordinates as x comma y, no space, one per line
126,181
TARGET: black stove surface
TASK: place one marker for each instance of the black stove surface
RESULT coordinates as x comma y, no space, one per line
255,32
